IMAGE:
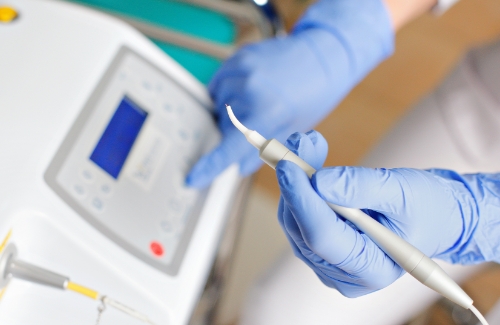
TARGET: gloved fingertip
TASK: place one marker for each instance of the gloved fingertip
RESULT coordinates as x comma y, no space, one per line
318,140
198,177
291,179
250,165
293,141
280,170
282,173
197,182
313,135
205,170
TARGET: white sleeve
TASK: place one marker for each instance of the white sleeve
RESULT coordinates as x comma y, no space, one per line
443,5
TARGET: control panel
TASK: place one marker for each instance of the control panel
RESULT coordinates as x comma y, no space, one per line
123,164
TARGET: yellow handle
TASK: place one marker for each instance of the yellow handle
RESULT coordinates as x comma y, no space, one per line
82,290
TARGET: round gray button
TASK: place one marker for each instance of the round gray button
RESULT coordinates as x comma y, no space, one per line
168,107
106,189
183,134
79,190
167,226
87,175
97,204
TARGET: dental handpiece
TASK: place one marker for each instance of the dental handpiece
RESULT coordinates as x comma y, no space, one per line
403,253
12,267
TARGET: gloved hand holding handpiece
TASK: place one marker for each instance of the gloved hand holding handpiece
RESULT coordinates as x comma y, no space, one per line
442,213
379,244
437,211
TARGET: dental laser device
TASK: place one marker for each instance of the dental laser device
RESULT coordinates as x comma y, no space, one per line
98,130
404,254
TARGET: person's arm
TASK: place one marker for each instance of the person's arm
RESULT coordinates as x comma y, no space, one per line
291,83
288,84
403,11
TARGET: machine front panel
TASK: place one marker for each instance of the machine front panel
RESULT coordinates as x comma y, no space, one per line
123,164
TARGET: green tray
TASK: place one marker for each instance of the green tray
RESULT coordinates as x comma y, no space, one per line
181,17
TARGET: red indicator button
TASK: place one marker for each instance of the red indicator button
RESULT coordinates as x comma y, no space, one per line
156,248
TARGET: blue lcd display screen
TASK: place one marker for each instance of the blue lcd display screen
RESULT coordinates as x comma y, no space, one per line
117,140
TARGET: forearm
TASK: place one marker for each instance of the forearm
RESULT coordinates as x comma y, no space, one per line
479,204
486,237
403,11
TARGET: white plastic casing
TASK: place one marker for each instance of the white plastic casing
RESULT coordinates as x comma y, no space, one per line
52,58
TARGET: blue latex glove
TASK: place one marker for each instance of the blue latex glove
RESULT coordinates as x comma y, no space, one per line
291,83
437,211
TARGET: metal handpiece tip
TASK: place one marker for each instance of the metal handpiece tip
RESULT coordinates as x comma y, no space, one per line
235,121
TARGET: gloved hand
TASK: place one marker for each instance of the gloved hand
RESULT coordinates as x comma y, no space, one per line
290,83
437,211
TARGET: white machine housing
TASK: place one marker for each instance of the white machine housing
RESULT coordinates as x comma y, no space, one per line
135,232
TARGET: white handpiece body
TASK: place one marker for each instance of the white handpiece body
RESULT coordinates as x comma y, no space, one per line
404,254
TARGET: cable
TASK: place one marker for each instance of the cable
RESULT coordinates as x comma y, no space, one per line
478,315
106,301
127,310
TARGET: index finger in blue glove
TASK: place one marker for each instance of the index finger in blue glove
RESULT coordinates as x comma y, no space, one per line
311,146
231,149
319,226
354,263
284,215
410,202
358,187
329,274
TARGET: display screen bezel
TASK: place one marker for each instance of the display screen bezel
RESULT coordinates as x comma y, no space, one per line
64,150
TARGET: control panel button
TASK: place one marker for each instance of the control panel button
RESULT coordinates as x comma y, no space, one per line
156,248
166,226
167,107
147,85
122,75
80,191
106,189
181,109
183,134
175,205
197,135
97,204
87,175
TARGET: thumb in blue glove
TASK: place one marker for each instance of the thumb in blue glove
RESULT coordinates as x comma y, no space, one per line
434,213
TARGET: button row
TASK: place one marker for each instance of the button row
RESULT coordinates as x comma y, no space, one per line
89,178
81,191
96,203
